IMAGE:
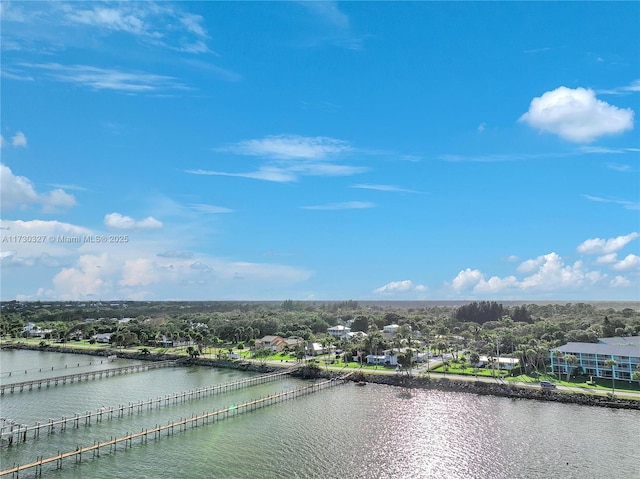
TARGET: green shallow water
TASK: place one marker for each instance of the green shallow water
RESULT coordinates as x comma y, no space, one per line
372,432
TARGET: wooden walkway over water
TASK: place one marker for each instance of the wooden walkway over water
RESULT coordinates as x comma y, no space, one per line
170,428
11,432
78,377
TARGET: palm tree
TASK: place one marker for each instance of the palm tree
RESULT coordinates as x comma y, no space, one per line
559,356
612,363
571,361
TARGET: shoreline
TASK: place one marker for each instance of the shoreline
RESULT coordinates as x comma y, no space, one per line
441,384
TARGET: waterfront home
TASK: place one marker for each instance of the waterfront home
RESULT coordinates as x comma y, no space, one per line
102,337
314,349
502,363
339,331
275,343
592,357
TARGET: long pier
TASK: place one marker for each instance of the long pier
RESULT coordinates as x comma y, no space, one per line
11,432
70,378
171,427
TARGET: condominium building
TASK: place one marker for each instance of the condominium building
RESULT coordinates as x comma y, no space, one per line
592,357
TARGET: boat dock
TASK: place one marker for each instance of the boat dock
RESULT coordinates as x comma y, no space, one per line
78,377
11,432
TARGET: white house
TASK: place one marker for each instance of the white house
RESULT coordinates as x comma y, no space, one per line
501,363
102,337
389,357
275,343
339,331
390,331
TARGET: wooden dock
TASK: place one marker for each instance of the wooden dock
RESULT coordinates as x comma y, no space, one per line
11,432
170,428
78,377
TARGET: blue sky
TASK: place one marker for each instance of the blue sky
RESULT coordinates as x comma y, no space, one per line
320,150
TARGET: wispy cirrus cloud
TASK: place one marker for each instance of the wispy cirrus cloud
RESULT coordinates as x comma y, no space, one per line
289,157
98,78
629,205
388,188
211,209
287,147
332,26
57,24
632,87
346,205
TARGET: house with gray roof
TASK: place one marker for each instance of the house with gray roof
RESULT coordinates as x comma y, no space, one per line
625,351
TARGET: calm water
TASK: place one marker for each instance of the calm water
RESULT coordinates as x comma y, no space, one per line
372,432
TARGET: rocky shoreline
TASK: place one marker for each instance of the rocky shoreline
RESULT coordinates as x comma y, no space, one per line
441,384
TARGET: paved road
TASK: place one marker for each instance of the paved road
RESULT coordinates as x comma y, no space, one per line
434,362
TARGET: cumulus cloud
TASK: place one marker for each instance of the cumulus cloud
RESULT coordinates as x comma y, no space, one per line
405,286
138,272
85,279
19,192
630,262
576,115
118,221
605,246
467,278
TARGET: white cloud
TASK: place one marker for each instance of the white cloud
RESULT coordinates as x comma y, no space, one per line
110,18
554,274
109,78
86,279
212,209
389,188
606,246
19,140
607,258
551,276
495,284
632,87
621,167
288,157
139,272
576,115
288,147
118,221
620,282
467,278
176,254
160,24
629,205
347,205
19,192
405,286
630,262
